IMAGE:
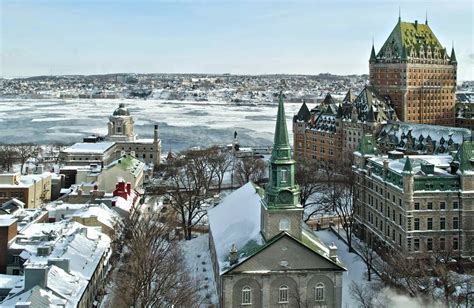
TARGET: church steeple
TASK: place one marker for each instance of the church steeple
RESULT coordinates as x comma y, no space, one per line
281,210
281,145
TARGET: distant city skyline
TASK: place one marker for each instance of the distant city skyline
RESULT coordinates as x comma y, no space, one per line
238,37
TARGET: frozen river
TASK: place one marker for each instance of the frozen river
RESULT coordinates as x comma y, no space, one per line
182,123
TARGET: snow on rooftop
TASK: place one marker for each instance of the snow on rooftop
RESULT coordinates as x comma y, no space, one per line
441,162
64,284
236,220
6,220
85,147
9,281
104,214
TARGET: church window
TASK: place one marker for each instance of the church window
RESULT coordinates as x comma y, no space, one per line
319,292
283,294
246,295
119,129
284,175
284,224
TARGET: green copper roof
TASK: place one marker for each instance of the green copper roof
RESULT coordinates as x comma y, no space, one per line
406,36
407,168
367,145
281,132
453,56
372,54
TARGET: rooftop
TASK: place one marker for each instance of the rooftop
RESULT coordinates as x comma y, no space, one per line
89,148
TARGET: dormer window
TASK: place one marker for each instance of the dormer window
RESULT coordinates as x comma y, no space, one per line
119,129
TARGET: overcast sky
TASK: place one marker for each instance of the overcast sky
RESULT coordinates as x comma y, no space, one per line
220,36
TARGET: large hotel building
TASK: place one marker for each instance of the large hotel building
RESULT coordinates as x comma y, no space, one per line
415,70
412,80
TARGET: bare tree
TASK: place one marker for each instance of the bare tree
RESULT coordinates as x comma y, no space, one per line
25,152
367,253
220,161
153,273
7,156
189,178
249,169
312,181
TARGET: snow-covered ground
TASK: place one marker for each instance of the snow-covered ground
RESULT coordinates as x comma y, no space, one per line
355,266
182,123
198,260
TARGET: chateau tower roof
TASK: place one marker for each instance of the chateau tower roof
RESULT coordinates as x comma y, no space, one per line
406,37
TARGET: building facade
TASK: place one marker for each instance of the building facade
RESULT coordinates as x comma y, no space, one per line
33,189
263,254
465,110
329,133
415,70
418,205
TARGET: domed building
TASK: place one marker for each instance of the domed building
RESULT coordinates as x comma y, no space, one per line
121,131
121,125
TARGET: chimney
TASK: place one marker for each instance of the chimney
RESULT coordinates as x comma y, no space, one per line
39,169
155,135
416,25
36,276
62,263
233,257
385,167
23,305
129,189
333,252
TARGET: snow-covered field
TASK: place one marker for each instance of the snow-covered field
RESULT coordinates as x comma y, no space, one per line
198,260
182,123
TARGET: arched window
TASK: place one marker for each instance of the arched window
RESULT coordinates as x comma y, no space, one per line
284,224
283,294
319,292
246,295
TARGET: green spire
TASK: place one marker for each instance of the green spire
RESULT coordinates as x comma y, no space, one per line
281,145
407,168
452,59
373,58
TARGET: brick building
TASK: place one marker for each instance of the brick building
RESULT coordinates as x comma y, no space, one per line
415,70
330,132
419,205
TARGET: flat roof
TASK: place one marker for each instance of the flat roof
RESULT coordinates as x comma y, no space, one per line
86,148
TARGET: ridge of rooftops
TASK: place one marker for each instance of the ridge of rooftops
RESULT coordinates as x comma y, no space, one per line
440,163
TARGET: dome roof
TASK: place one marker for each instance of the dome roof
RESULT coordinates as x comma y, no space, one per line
121,110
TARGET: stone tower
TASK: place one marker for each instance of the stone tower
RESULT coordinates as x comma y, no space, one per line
416,71
121,125
281,210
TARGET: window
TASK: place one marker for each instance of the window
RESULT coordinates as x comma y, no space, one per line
283,294
284,175
442,205
416,244
417,224
442,223
246,295
455,243
455,223
429,244
319,292
430,205
430,223
455,205
284,224
417,206
442,243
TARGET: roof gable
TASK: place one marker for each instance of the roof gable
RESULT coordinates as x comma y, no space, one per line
307,254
